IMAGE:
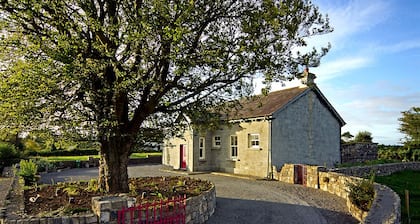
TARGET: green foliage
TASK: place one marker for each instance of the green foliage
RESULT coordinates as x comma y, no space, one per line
363,136
93,186
44,165
28,171
8,154
398,153
108,70
75,152
362,193
410,126
346,137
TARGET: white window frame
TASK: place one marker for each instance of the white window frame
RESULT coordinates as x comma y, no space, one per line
254,142
202,148
217,141
234,147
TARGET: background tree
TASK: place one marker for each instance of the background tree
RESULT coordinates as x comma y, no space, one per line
110,69
364,137
346,137
410,126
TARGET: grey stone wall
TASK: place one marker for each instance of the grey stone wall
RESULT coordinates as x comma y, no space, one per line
358,152
379,170
305,132
198,209
386,206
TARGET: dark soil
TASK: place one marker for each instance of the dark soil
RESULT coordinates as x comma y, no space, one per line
76,197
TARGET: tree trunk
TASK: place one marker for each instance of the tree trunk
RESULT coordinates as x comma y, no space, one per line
113,175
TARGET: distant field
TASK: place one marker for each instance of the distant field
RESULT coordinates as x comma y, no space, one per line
401,181
85,158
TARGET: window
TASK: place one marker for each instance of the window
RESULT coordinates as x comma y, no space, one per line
217,141
233,146
254,140
202,147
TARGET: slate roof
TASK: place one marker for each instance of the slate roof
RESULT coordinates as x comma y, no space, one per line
263,106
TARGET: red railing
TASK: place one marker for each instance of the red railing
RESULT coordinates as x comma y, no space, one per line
170,211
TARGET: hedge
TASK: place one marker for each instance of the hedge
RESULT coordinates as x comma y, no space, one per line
75,152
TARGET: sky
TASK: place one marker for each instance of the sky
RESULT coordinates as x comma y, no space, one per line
371,73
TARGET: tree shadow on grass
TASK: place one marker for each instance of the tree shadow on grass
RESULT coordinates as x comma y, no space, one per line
230,210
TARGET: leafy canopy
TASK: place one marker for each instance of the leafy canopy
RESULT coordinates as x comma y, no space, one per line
87,67
363,136
410,126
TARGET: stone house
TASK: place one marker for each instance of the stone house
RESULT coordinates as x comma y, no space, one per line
294,125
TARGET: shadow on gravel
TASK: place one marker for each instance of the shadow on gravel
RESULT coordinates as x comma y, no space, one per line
249,211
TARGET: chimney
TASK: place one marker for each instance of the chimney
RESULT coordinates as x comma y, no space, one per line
307,78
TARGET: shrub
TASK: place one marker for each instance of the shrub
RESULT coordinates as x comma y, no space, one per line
362,193
8,154
28,171
44,165
75,152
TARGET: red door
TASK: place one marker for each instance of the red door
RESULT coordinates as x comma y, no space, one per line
183,156
300,174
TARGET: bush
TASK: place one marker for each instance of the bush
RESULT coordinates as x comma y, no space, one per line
362,193
75,152
44,165
28,171
8,154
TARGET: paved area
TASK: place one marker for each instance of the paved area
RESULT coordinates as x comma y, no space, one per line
241,200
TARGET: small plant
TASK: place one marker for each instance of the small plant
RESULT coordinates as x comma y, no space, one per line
362,193
72,190
44,165
93,186
28,171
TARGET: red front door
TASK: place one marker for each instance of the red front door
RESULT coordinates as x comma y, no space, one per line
183,156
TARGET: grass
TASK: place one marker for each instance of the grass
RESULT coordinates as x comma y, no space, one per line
85,158
399,182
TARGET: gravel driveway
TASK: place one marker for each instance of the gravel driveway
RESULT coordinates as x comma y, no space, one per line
241,200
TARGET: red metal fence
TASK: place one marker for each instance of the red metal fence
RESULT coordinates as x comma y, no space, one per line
171,211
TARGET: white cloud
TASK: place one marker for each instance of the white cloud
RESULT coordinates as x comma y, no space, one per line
348,19
352,18
399,47
337,67
377,114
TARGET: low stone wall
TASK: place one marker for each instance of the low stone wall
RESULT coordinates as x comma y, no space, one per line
198,209
386,206
86,219
379,170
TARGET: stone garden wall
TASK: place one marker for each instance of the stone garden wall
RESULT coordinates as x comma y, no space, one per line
386,207
379,170
198,209
358,152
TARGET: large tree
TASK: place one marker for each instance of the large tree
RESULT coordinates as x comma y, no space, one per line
410,126
364,137
110,68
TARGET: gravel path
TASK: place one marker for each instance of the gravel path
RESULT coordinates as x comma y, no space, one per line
244,200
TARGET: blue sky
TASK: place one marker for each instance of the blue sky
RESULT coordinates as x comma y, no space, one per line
371,73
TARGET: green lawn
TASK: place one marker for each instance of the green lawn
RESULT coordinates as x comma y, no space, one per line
401,181
85,158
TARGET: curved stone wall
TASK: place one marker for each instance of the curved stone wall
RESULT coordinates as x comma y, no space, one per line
198,210
386,207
